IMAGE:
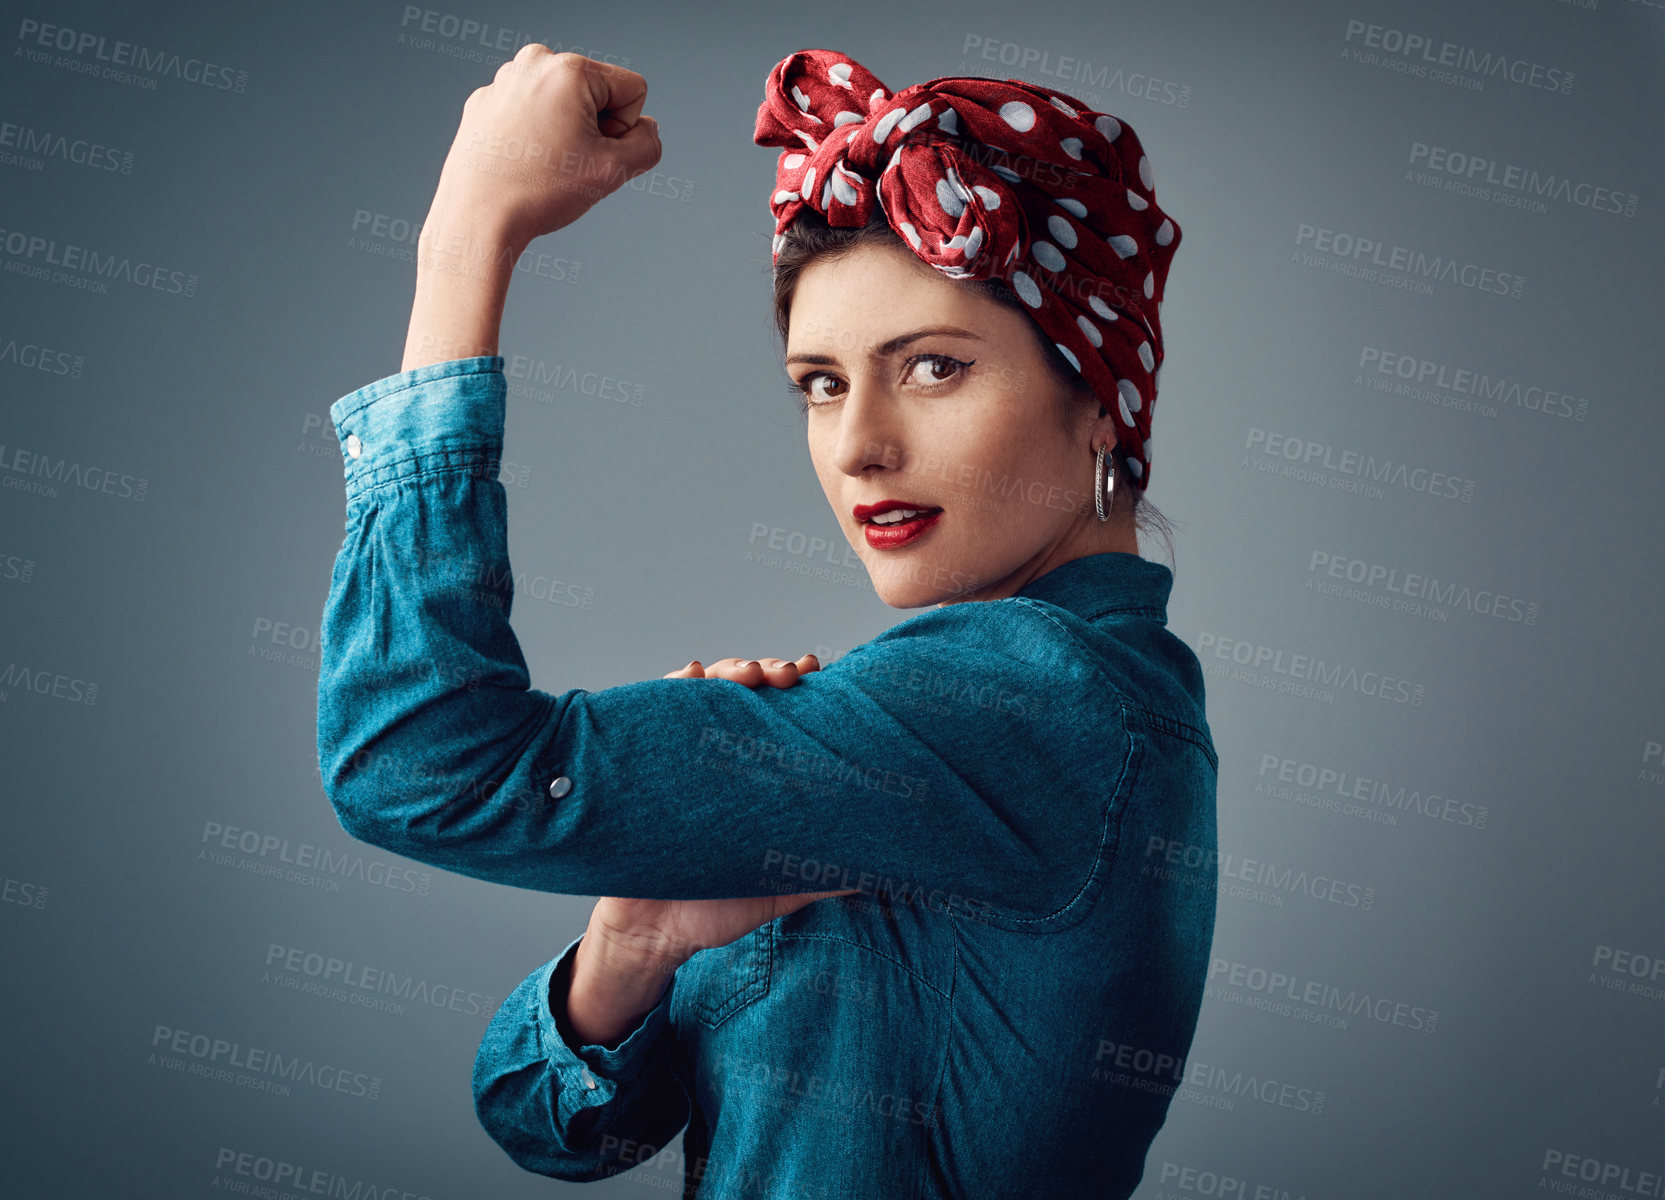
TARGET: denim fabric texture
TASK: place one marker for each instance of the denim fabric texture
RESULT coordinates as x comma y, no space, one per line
1023,789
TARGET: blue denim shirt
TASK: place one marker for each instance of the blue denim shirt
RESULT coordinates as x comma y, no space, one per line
1022,789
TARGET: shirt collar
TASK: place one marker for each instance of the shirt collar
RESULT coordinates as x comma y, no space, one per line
1112,582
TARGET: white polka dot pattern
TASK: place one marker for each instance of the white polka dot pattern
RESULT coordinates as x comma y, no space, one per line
992,179
949,199
1018,115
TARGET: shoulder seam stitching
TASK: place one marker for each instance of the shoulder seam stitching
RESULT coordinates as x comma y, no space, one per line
1198,735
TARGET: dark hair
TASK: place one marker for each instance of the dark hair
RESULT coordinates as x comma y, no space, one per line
810,238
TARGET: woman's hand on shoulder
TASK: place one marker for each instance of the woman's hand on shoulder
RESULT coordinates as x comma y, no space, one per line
547,138
753,672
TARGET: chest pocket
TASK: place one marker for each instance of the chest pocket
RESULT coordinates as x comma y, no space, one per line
719,982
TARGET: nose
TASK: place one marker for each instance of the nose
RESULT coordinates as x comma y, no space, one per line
870,429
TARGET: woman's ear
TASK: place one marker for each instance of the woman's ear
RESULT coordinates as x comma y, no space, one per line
1100,422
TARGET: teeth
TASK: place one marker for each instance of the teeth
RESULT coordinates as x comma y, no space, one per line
896,516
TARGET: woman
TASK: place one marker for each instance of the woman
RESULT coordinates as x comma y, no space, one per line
905,925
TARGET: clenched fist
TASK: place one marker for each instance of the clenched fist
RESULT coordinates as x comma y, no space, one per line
539,145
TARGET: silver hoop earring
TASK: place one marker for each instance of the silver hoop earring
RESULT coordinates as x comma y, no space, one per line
1103,487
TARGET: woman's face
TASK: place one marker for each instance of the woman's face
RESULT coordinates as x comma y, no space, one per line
925,391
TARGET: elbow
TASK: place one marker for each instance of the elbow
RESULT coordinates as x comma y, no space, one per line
370,770
380,781
364,823
405,805
347,771
366,815
408,783
365,805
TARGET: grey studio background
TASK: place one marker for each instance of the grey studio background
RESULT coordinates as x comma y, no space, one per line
1410,429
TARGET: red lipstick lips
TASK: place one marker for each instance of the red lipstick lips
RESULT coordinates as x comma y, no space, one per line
895,534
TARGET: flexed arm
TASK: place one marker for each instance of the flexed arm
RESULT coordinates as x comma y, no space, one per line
896,767
899,764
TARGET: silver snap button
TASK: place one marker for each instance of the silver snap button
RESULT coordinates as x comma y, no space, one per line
559,786
354,446
589,1081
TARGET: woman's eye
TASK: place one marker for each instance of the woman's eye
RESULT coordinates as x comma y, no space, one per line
940,368
806,391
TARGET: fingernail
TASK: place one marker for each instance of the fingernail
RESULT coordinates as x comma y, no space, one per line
750,662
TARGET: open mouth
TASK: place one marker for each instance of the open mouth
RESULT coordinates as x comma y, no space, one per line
899,526
900,516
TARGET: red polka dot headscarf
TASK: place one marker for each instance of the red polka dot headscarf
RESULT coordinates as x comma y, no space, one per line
989,178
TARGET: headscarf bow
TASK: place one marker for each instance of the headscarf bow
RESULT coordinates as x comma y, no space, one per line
988,178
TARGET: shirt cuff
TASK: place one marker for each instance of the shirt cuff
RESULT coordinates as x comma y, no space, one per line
590,1074
439,416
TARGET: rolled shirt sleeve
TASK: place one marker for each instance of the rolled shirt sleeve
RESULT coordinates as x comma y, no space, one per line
570,1111
910,761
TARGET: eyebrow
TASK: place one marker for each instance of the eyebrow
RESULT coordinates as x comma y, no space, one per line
893,345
